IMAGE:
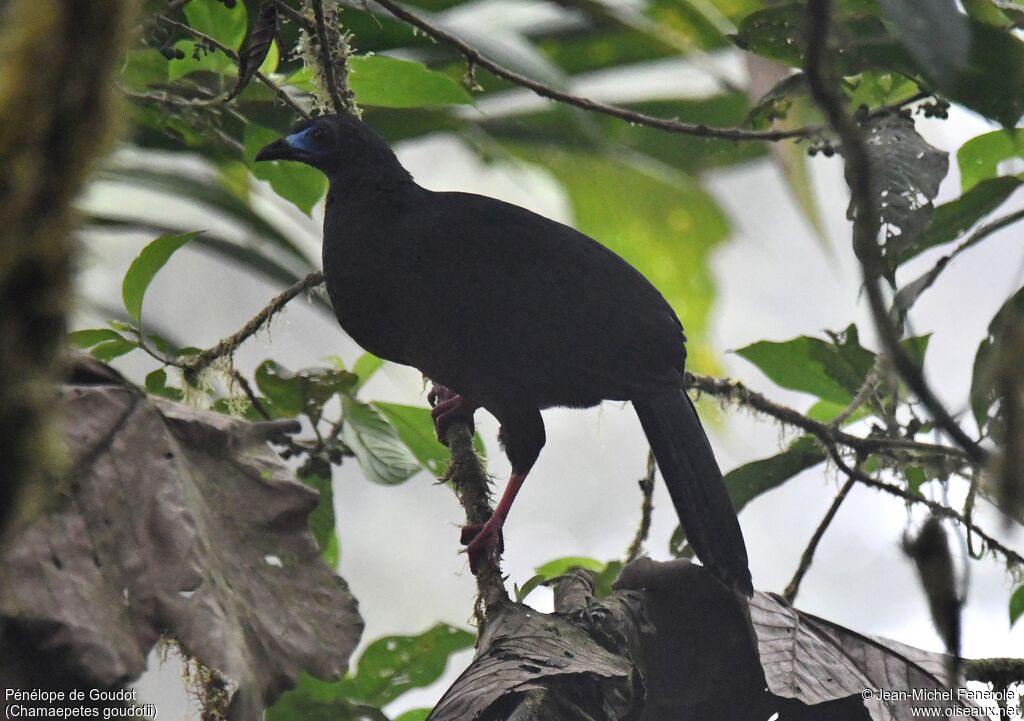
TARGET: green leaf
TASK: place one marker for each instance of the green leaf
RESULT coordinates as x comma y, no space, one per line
916,348
365,366
561,566
321,520
198,58
109,350
951,220
143,68
983,392
993,82
299,184
604,574
376,444
752,479
156,383
145,267
979,157
415,427
831,371
215,19
392,83
860,39
908,172
934,32
1016,605
303,392
826,411
527,588
416,714
392,665
93,336
316,700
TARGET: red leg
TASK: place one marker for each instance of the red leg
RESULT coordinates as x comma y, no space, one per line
488,539
448,407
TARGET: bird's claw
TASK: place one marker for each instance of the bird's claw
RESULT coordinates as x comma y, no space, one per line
482,541
447,407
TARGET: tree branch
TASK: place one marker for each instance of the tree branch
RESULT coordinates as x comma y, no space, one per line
829,435
326,58
808,555
471,485
937,508
646,506
475,58
227,346
822,86
213,42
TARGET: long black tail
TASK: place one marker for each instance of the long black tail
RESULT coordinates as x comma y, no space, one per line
695,483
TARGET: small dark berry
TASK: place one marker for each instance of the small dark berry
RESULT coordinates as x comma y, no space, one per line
812,151
829,151
168,53
179,54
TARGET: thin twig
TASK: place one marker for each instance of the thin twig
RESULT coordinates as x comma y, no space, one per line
863,393
646,507
228,345
935,507
822,86
475,58
812,546
213,42
326,58
929,278
829,435
472,487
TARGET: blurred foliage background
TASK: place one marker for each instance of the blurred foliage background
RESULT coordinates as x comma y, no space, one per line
687,88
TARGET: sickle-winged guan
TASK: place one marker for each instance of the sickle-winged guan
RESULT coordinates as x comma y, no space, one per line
513,312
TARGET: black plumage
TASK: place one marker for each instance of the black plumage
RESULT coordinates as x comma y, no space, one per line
515,313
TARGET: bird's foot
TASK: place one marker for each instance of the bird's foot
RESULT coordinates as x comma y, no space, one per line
448,407
482,541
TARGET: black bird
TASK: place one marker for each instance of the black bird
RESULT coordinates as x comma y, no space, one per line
513,312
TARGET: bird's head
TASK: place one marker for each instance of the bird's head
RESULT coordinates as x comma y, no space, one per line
340,146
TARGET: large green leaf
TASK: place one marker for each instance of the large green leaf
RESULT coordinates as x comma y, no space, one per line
392,665
297,183
216,19
983,390
1016,604
979,157
321,520
991,82
951,220
393,83
832,371
908,172
415,427
195,58
750,480
382,455
660,221
934,32
145,267
305,391
861,40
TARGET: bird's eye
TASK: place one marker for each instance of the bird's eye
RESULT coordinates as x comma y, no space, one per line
320,134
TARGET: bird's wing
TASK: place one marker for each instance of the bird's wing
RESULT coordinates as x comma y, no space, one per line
536,300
